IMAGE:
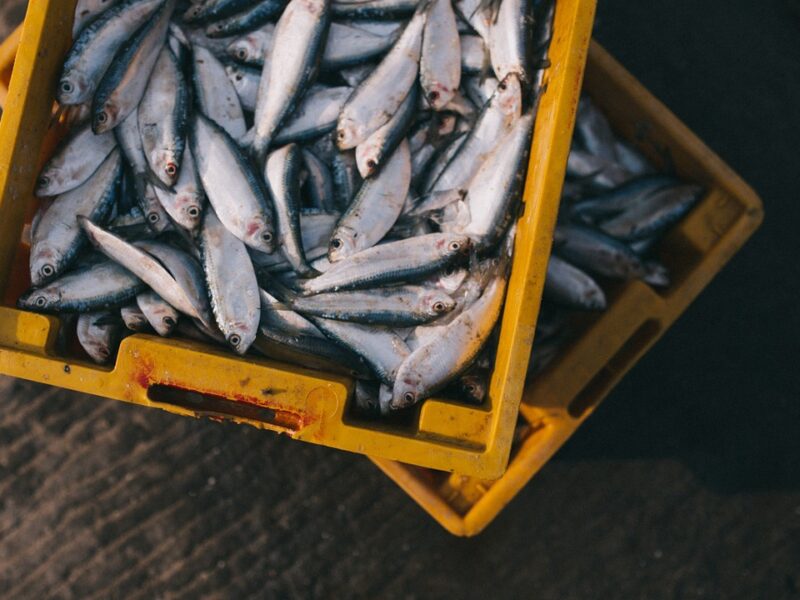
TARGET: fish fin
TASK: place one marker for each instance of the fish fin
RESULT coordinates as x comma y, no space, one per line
60,111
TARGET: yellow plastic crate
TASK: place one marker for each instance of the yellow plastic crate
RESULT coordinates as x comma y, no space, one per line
557,401
192,379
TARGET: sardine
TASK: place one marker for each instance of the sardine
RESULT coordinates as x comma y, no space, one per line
247,20
245,80
375,208
185,204
99,335
88,10
373,152
511,40
379,96
232,284
253,47
319,186
75,160
297,47
282,176
315,116
597,253
233,189
214,10
123,85
569,286
373,9
216,95
440,66
315,228
133,317
159,314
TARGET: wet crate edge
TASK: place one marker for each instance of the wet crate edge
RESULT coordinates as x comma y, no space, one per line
305,405
564,396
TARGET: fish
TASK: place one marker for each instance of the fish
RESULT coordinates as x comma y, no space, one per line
216,95
99,286
597,253
440,62
133,317
386,10
96,46
297,46
373,152
158,313
315,228
232,284
253,47
474,56
593,131
393,262
88,10
399,306
346,178
282,176
214,10
433,365
245,81
74,161
379,96
247,20
99,334
375,208
571,287
349,46
123,84
511,40
316,115
185,204
610,203
163,114
231,186
56,238
319,185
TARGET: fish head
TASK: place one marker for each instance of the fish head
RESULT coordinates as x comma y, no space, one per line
193,12
41,299
407,390
105,117
437,303
242,50
474,387
342,244
73,88
191,210
259,234
594,299
240,337
368,157
43,264
455,245
509,96
348,133
49,179
439,95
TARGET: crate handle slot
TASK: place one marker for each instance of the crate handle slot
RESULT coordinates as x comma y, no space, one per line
602,383
204,404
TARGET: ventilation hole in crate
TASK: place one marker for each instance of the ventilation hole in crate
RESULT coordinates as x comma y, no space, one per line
624,358
220,408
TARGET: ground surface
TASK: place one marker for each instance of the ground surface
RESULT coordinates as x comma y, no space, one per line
684,484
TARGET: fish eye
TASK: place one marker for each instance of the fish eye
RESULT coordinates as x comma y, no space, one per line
193,211
47,270
336,243
409,397
455,246
169,321
439,307
234,340
40,301
153,217
433,96
502,86
470,387
171,169
67,87
239,77
450,271
371,164
43,181
340,134
242,54
266,237
102,117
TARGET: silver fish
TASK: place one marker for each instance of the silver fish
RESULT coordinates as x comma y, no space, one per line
315,228
400,306
379,96
215,94
56,237
392,262
288,321
159,314
282,174
235,297
319,185
95,47
123,84
511,40
245,80
247,20
88,10
375,208
619,199
349,46
432,366
133,318
346,179
253,47
99,335
373,152
233,189
298,44
102,285
569,286
162,116
315,116
214,10
440,66
143,265
185,204
594,131
75,160
597,253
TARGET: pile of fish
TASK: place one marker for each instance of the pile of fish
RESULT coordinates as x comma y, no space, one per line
614,210
328,182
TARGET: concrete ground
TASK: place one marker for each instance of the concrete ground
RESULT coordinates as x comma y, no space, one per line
684,484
